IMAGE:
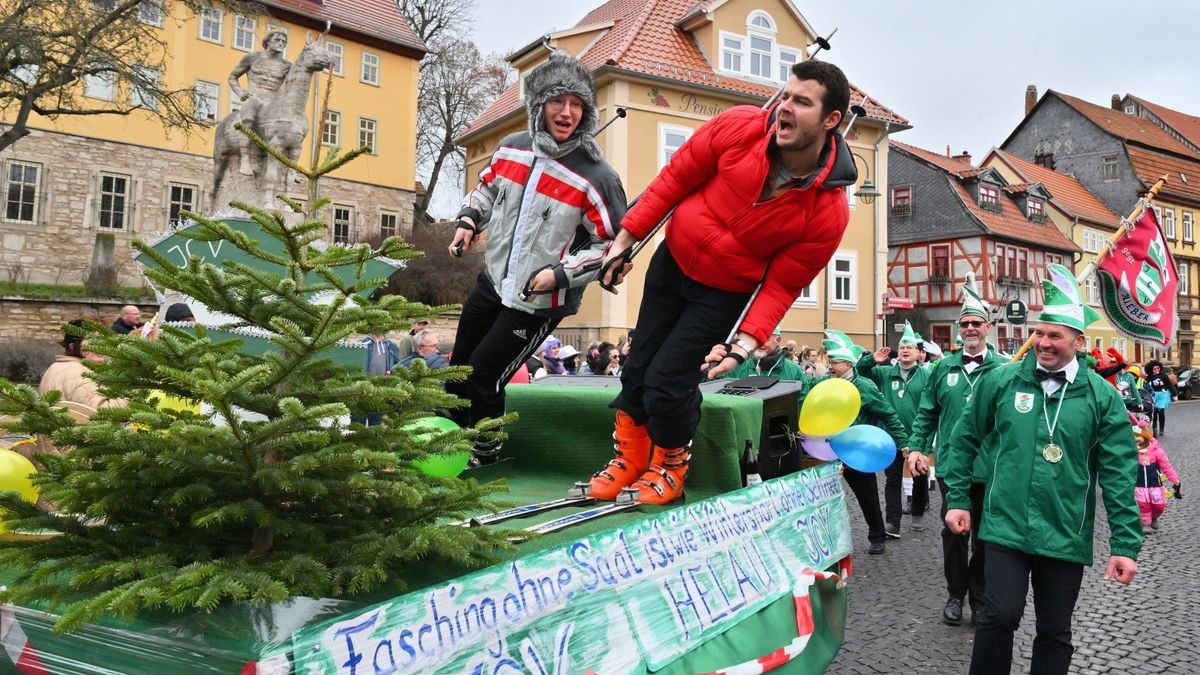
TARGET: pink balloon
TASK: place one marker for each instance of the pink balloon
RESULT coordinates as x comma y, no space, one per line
818,447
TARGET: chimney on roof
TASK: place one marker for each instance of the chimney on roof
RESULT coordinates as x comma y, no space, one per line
1116,102
948,151
965,158
1030,98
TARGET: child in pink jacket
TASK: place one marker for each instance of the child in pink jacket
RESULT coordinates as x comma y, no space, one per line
1149,492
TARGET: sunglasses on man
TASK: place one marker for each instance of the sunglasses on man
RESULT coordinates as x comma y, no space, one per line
971,324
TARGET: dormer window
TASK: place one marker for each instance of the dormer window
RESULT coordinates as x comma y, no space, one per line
761,31
757,54
902,200
1036,210
989,197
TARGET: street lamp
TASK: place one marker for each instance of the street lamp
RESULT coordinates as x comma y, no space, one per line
867,193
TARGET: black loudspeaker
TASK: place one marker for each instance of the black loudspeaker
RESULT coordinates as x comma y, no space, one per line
778,445
605,381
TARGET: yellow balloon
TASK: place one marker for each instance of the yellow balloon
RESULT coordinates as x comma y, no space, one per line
829,408
15,474
168,402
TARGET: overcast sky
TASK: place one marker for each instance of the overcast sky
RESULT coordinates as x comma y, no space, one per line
958,70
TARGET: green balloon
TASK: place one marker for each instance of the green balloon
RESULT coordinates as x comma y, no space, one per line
440,465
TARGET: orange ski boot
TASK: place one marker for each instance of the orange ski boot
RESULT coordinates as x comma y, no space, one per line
663,481
631,450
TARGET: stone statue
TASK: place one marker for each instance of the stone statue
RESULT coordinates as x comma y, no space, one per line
265,72
275,109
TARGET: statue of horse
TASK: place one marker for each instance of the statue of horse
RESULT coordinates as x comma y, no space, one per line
281,122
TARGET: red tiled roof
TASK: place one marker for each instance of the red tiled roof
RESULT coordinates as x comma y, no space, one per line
1017,188
1186,125
950,165
644,40
1066,192
1129,127
1011,223
1150,166
380,19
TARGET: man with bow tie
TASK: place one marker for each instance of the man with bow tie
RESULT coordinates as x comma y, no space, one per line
950,386
1049,429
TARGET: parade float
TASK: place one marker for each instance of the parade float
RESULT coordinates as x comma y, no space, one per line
253,528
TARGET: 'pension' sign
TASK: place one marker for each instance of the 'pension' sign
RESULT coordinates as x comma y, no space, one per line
660,585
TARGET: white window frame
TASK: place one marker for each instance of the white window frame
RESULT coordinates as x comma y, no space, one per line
150,12
207,101
758,56
139,97
808,296
767,33
126,196
242,25
374,132
1093,240
366,69
1184,286
1091,290
1035,207
384,214
1167,218
332,121
851,277
785,68
207,18
1187,227
337,56
174,206
665,151
100,86
23,185
348,222
738,54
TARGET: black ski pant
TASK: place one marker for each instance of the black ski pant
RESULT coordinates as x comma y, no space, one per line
866,489
964,573
679,321
1158,423
494,340
893,487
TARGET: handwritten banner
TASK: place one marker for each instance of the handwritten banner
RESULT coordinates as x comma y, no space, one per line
634,597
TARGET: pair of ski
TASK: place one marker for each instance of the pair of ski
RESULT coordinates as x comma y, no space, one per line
574,498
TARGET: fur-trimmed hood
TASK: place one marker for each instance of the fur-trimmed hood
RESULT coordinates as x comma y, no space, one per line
562,74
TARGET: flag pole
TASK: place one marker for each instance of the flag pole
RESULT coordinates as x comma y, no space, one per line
1108,247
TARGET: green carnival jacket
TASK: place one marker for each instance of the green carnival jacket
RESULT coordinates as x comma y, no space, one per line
943,401
1034,505
784,368
903,395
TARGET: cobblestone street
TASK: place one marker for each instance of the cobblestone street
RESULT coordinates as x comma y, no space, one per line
894,623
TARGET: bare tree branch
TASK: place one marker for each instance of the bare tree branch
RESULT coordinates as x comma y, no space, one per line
49,48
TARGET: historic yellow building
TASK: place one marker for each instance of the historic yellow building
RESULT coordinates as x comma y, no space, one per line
77,176
673,65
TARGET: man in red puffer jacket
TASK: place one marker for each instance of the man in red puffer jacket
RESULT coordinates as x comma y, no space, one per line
760,208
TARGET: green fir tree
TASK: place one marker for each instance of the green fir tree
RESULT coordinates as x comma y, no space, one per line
166,509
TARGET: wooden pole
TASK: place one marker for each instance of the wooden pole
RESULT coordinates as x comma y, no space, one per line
1107,248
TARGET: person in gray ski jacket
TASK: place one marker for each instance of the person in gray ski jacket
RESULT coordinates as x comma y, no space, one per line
550,206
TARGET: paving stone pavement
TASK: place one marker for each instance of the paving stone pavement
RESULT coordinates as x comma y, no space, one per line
1151,626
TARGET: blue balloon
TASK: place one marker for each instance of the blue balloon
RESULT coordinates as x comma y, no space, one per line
864,448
